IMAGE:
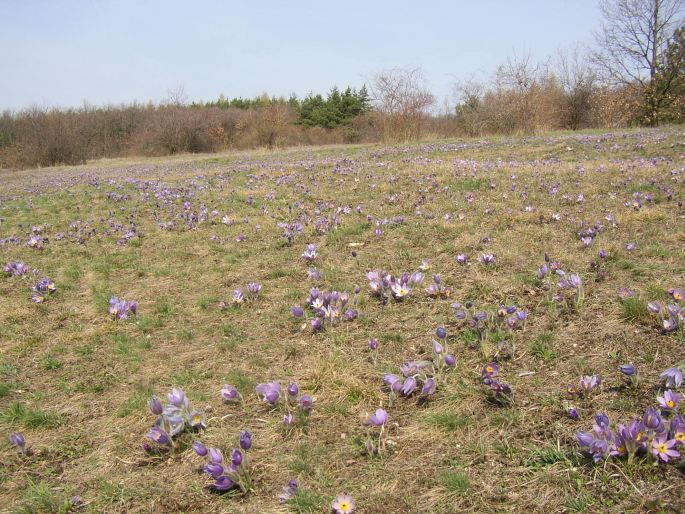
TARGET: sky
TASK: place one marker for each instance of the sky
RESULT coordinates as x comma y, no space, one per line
62,53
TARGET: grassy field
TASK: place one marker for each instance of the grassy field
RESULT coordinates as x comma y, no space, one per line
76,383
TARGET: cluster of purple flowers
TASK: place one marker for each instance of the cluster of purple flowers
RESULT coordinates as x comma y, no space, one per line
587,234
422,375
328,308
501,392
483,322
586,385
436,289
567,287
385,285
653,435
672,315
16,268
228,475
251,292
43,289
309,253
121,309
295,406
173,419
36,242
290,230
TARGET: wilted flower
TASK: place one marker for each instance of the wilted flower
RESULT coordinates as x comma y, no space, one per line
289,491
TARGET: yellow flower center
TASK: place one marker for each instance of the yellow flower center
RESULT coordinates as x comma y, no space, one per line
680,436
670,403
662,448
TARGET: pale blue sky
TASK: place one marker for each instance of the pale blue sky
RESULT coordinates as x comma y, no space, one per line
65,52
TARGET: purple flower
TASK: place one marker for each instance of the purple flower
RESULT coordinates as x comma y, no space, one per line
236,457
488,258
288,419
408,386
599,449
306,402
200,449
450,360
297,311
672,377
437,348
229,393
490,370
155,406
572,413
293,389
652,420
393,381
584,439
177,397
223,483
662,448
670,400
429,387
627,369
17,439
630,247
373,344
441,333
310,253
269,392
343,504
379,418
462,258
289,491
245,440
159,435
654,307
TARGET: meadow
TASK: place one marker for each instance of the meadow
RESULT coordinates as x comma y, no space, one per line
473,325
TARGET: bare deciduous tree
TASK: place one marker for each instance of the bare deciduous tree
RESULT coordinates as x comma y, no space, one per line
631,43
577,79
402,99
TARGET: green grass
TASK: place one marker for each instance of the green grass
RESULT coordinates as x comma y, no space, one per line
18,413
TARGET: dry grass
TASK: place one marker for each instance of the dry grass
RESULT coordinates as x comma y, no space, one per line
76,384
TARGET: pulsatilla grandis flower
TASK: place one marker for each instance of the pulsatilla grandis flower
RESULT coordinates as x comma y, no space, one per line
16,268
343,504
670,400
43,289
309,253
586,385
230,394
378,418
672,377
120,309
17,439
173,419
269,392
662,448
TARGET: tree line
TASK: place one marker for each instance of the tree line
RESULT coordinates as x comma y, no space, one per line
634,74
